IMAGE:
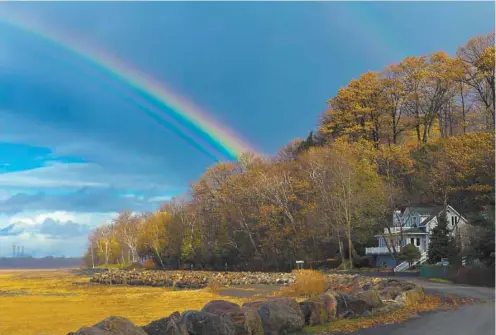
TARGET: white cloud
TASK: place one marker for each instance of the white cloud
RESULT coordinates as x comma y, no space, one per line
163,198
77,176
58,215
32,218
44,233
56,175
25,220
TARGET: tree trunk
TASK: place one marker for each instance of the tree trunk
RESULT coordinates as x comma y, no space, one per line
92,256
464,117
394,128
159,258
341,250
350,247
106,254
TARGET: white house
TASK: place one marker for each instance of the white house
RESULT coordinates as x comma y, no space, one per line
414,226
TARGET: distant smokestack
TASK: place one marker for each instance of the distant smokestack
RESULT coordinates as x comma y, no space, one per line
18,250
13,250
22,251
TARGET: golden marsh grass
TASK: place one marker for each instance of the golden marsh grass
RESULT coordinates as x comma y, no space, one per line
56,302
308,283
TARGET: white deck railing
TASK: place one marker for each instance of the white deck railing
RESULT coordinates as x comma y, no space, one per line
377,251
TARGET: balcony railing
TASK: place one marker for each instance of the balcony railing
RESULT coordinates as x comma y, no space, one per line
376,251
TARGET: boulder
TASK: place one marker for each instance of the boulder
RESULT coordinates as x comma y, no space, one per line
292,303
314,312
352,305
166,326
354,283
403,285
371,297
390,293
411,296
330,304
117,325
390,289
203,323
91,331
387,308
367,286
220,307
341,310
245,320
277,316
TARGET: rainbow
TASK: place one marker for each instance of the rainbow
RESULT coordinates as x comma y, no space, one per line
184,118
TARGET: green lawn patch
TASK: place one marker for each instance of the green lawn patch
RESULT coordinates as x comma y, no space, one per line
440,280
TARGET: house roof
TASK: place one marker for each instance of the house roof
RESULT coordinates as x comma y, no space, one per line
426,210
426,221
435,210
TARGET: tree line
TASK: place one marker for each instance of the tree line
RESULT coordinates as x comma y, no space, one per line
418,132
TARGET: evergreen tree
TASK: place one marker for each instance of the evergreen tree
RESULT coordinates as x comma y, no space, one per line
442,243
308,143
482,239
410,253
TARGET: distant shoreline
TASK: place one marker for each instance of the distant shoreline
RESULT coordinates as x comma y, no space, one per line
45,263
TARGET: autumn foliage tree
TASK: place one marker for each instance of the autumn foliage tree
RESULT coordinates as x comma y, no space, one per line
418,132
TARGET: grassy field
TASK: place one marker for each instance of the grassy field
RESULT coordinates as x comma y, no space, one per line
56,302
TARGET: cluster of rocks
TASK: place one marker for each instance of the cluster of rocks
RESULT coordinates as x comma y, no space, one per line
349,283
273,316
190,279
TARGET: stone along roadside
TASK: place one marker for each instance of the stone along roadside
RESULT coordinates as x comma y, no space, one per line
273,316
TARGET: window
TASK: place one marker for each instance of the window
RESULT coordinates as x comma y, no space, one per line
418,241
412,241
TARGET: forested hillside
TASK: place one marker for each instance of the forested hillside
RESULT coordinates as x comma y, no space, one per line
417,132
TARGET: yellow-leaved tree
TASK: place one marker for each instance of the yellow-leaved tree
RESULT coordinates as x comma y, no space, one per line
153,234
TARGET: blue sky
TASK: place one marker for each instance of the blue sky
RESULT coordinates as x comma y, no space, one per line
74,150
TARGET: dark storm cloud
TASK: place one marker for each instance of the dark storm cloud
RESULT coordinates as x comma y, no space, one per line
83,200
57,229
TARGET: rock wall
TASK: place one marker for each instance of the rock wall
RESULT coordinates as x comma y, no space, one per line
190,279
273,316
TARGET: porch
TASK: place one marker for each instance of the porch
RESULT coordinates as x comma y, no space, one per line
415,236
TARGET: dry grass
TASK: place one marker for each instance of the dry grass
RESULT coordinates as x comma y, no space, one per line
47,302
440,280
213,287
308,283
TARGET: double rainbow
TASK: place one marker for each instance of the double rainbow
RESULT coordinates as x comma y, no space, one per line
186,119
